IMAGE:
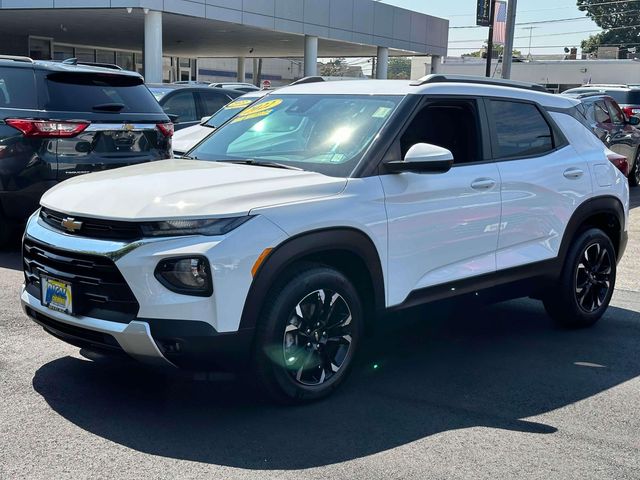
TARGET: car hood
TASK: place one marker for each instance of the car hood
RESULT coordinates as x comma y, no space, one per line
187,138
186,189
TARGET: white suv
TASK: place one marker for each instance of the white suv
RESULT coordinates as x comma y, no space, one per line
321,207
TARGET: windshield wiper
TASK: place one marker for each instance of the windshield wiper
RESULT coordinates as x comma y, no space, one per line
260,163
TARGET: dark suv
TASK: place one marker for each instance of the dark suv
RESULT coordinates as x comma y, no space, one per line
627,96
59,120
605,118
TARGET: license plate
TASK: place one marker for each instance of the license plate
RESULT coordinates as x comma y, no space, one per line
57,295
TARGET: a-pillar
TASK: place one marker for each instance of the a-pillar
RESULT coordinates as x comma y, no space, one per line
153,47
310,55
241,69
382,63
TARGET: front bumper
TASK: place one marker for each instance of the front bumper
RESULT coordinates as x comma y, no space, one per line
160,342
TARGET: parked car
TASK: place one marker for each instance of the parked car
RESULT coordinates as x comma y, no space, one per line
241,86
617,131
627,96
318,209
187,138
59,120
186,104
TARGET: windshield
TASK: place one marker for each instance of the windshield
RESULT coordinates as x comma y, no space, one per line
321,133
229,110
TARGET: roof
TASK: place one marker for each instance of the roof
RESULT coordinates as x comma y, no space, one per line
66,67
190,87
405,87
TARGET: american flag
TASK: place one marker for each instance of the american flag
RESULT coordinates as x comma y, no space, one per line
500,23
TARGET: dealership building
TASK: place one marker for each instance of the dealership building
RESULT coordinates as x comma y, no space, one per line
163,39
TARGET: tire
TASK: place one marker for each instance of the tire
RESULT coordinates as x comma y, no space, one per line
634,174
586,284
307,335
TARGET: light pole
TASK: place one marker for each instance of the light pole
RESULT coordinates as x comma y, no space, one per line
531,29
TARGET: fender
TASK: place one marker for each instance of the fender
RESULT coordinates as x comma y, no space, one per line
594,206
295,248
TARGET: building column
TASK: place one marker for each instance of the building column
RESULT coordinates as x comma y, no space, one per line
310,55
153,47
241,69
382,63
436,61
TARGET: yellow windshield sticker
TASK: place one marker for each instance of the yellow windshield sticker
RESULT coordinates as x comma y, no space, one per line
381,112
259,110
237,104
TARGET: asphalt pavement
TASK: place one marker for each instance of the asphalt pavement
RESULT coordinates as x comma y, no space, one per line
496,392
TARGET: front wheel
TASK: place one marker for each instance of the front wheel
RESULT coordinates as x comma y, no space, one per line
587,281
308,334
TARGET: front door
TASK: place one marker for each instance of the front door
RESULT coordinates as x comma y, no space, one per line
442,227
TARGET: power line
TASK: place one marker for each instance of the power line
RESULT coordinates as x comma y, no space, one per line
554,8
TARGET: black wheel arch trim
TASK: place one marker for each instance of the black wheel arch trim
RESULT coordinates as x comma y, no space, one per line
590,208
298,247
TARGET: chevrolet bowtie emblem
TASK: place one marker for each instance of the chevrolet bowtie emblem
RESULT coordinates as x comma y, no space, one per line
71,224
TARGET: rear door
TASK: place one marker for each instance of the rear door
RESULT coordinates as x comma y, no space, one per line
543,180
122,117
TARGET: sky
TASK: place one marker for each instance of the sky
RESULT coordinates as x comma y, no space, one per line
546,38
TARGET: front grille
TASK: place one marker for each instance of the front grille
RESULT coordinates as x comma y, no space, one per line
99,289
93,228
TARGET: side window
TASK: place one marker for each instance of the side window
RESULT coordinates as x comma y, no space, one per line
602,113
520,129
451,124
182,104
616,114
213,101
17,88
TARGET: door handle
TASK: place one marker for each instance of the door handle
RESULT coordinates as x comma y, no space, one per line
573,173
483,184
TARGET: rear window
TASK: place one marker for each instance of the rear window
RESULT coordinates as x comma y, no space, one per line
87,92
17,88
520,129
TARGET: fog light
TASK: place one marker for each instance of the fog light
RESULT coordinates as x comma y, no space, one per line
186,275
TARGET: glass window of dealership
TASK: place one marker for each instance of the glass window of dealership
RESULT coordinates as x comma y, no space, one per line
174,68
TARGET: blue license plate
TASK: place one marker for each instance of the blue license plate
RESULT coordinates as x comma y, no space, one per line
57,295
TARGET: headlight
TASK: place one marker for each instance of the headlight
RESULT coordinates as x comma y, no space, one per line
186,275
210,227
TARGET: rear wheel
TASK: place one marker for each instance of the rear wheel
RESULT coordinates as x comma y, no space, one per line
634,174
586,283
308,335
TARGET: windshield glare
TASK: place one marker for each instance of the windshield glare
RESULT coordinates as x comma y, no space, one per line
322,133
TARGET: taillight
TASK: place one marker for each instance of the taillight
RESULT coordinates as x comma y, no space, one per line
631,110
166,129
620,161
47,128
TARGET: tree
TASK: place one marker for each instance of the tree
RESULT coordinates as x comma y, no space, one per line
334,68
497,51
399,68
619,20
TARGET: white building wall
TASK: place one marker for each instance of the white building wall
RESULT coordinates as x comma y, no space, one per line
549,72
279,71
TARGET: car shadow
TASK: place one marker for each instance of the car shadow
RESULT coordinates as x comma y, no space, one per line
419,375
11,259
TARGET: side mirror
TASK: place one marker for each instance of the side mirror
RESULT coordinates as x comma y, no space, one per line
633,121
423,158
173,117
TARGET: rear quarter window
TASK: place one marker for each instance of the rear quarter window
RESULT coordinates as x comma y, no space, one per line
520,130
17,88
87,92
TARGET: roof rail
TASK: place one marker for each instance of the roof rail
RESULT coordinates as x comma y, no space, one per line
75,61
441,78
311,79
16,58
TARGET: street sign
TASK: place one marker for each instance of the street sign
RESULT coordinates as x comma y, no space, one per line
266,84
483,13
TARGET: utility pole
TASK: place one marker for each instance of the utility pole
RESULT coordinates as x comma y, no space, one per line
507,53
492,18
